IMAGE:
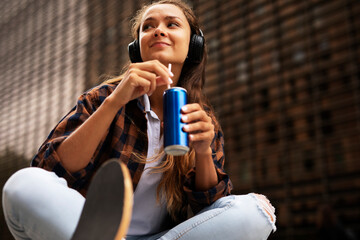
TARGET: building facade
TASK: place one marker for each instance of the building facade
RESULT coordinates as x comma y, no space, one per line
283,77
42,62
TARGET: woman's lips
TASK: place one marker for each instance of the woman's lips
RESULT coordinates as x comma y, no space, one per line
160,44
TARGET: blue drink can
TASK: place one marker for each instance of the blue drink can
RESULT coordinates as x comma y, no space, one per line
176,141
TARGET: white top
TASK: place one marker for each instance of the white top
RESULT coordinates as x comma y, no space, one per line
147,215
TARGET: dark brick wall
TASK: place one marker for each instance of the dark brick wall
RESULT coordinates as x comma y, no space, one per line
283,77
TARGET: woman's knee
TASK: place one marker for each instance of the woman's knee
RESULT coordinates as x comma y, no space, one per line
253,214
24,183
261,214
265,207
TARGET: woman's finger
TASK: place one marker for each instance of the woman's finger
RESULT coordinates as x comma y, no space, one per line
160,81
135,86
161,71
195,116
145,74
140,78
188,108
141,85
202,136
198,127
147,71
151,77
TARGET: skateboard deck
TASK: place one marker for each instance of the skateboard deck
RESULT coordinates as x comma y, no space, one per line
108,205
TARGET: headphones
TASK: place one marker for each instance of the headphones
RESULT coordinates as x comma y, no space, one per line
195,54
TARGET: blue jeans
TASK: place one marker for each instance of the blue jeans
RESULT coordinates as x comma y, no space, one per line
39,205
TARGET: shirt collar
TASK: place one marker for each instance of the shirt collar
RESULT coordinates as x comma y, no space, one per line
145,102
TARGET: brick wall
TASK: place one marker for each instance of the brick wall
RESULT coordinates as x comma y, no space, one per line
283,77
42,71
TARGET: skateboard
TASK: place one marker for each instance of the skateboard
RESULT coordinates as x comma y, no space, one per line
108,205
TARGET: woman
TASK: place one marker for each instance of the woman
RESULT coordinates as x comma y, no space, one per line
122,119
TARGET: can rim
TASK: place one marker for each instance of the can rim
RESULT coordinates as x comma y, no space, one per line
176,88
176,150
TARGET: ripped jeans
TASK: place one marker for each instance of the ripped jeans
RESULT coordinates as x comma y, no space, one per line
39,205
240,217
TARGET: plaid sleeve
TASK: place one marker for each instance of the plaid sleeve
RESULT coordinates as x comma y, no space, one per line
47,156
199,200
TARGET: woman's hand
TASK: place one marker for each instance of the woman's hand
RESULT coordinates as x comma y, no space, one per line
141,78
201,133
199,126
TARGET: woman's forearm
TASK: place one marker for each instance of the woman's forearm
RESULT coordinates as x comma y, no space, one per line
206,176
76,151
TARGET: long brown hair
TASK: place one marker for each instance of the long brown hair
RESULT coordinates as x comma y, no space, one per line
192,78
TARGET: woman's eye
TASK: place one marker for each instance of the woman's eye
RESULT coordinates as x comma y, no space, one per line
146,27
173,25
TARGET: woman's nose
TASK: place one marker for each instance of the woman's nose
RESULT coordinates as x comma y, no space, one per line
159,32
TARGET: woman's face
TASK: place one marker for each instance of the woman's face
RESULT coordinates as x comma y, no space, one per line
164,34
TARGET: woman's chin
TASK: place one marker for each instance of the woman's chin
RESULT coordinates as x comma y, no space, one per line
163,57
160,57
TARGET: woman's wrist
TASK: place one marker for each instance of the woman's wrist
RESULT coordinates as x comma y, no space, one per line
112,104
206,176
204,154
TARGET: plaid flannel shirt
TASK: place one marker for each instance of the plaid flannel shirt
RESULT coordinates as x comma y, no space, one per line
127,134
